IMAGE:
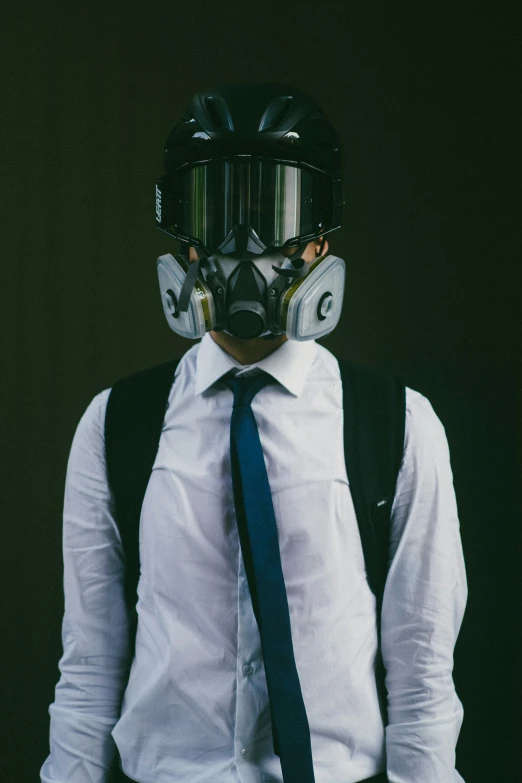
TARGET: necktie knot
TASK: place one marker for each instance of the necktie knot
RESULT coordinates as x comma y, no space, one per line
245,387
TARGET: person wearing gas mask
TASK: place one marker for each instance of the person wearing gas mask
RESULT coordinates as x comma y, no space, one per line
264,577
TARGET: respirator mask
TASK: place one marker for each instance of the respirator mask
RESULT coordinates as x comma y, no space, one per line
239,284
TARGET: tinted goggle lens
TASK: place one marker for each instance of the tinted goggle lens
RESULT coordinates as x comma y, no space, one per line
279,201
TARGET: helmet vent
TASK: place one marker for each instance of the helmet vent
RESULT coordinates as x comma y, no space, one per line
219,113
275,113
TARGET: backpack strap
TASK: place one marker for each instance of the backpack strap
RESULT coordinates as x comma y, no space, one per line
133,422
374,406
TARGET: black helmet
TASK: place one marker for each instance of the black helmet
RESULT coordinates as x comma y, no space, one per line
261,156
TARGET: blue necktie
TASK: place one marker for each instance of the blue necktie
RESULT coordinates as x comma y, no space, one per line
260,548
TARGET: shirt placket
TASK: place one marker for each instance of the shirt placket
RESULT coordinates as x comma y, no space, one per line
251,684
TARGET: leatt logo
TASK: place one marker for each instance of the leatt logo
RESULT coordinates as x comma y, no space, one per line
158,204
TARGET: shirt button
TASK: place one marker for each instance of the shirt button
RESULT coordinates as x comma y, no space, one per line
247,668
244,752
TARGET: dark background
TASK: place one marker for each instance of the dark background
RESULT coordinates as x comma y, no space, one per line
423,96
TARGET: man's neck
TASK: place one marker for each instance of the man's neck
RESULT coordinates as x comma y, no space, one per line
247,351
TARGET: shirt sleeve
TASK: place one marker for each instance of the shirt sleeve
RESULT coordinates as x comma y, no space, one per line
423,607
94,664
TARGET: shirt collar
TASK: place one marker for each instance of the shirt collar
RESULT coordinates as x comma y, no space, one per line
289,364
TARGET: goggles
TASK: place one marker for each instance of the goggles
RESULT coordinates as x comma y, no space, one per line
283,204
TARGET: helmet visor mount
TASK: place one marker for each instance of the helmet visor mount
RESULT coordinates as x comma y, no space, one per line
283,203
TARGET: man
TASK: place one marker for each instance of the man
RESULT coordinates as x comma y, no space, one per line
205,701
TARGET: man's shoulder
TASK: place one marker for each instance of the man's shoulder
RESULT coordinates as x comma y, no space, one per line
420,414
416,400
325,360
424,431
92,422
143,374
356,369
89,434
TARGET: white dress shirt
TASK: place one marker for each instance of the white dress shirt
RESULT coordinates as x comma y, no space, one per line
196,707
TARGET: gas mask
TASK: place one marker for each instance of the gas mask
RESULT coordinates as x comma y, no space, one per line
249,290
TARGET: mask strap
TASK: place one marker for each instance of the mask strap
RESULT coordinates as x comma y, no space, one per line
298,251
190,278
186,288
293,272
